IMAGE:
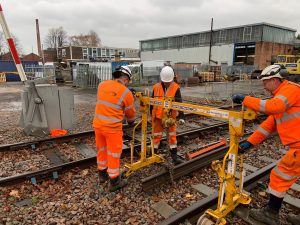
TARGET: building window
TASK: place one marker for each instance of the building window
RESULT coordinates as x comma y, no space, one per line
84,53
247,33
244,54
63,53
222,36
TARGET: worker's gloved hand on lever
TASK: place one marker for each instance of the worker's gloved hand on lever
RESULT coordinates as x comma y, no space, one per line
133,91
245,145
131,123
181,122
238,98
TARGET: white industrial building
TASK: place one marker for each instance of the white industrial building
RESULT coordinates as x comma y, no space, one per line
253,44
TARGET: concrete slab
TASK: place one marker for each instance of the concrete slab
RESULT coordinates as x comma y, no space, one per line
292,201
192,125
283,151
204,189
296,187
54,156
85,150
207,122
164,209
194,146
66,104
267,159
24,202
249,167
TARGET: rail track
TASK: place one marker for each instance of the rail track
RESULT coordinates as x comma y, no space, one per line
54,153
152,184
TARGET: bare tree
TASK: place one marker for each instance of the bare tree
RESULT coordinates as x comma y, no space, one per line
56,37
4,48
3,44
91,39
17,45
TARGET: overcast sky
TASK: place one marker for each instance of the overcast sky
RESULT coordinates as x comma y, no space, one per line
122,23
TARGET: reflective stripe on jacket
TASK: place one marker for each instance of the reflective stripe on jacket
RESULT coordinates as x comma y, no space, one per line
160,93
284,111
113,101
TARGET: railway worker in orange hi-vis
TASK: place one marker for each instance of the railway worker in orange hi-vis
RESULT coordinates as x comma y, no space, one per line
284,117
160,121
114,101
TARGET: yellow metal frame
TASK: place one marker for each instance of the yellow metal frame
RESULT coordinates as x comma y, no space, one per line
144,160
230,195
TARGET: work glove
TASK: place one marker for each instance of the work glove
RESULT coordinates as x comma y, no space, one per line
133,91
131,124
181,122
245,145
238,98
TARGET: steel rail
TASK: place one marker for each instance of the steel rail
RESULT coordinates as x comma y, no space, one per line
88,161
35,143
193,212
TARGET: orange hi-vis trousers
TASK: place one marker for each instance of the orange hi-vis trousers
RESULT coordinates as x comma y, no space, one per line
286,173
158,133
109,146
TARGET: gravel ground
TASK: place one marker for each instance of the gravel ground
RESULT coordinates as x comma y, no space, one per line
77,197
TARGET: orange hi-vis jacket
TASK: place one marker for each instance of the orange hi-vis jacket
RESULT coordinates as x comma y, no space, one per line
284,115
113,100
158,112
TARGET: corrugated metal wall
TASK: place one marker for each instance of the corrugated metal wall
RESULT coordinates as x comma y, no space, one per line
222,53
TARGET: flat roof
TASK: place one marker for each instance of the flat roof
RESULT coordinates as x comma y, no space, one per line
226,28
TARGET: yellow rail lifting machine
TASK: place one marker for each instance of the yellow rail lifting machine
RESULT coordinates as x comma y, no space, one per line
230,195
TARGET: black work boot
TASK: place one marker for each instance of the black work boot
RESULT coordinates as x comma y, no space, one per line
103,176
265,215
117,183
293,219
176,159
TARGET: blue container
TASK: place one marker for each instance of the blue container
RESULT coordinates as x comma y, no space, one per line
9,66
114,65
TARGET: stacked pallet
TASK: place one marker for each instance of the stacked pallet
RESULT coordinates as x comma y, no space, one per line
217,71
2,78
207,76
246,76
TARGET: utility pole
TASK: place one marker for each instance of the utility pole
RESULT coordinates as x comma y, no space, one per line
210,41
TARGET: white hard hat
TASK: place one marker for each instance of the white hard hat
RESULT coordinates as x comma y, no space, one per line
271,72
167,74
122,70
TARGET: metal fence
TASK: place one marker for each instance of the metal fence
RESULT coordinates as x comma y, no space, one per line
239,70
224,90
34,72
85,76
89,77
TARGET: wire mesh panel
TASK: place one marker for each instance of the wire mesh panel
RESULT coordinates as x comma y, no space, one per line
220,91
40,71
89,77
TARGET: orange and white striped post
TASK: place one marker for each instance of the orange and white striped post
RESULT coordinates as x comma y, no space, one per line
12,46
